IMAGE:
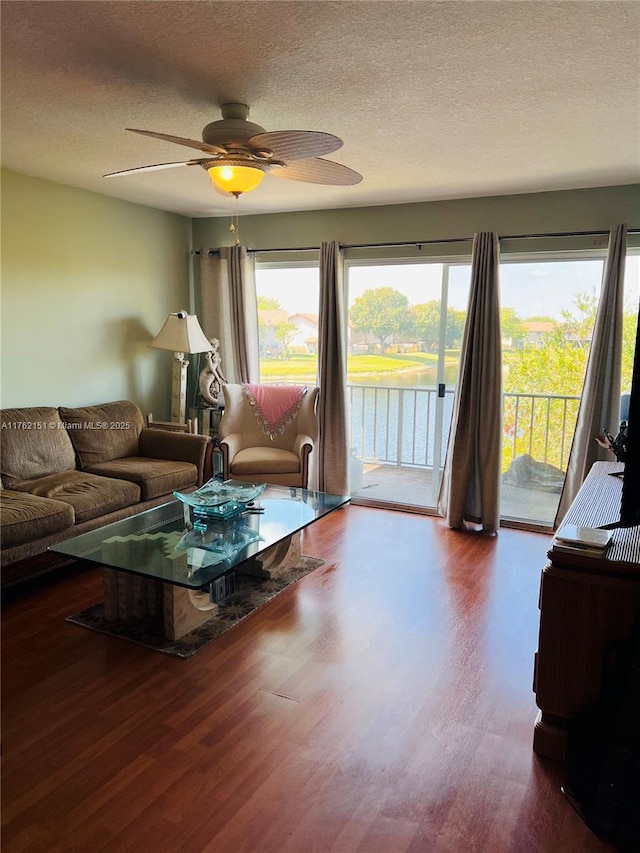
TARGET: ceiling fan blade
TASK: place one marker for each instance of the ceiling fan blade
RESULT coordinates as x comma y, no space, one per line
317,171
156,167
180,140
296,144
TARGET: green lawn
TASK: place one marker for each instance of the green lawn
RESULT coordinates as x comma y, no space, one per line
303,367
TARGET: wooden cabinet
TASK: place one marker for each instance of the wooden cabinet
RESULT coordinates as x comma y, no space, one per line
585,604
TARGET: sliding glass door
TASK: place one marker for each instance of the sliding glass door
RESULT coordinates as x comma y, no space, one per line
406,320
405,330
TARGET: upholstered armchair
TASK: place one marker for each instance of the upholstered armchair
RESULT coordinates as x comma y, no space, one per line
267,433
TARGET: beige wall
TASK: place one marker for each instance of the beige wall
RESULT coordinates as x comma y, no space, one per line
87,281
570,210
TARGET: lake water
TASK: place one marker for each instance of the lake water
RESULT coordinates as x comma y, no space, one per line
393,417
424,377
397,424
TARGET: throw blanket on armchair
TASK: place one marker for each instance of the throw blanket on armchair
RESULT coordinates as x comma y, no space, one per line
275,406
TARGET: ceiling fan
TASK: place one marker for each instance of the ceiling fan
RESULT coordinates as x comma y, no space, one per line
240,153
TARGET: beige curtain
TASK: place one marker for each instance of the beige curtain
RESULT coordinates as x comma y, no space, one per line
470,488
332,462
600,402
229,310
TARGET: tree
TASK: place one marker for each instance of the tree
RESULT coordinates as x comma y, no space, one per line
557,367
382,312
629,324
455,328
539,318
268,303
426,325
273,324
577,327
511,325
284,333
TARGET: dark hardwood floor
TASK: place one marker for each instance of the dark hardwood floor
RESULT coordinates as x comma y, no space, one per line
384,703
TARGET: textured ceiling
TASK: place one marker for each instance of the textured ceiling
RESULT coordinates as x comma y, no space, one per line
433,100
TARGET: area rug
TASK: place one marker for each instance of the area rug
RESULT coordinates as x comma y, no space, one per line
250,594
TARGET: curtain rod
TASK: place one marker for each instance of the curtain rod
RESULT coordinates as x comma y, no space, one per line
419,243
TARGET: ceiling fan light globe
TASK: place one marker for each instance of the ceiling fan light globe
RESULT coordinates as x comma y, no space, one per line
235,179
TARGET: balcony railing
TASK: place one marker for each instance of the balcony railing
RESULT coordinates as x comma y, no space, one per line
409,427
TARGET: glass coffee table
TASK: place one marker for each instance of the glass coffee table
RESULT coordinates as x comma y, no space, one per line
168,564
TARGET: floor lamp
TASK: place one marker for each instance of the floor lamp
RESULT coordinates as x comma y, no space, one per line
181,334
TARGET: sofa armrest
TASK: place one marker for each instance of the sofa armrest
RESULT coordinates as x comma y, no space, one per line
229,446
177,446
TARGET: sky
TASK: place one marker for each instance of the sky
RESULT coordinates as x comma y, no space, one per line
533,289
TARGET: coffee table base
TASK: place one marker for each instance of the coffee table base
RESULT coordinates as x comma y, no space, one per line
131,597
272,562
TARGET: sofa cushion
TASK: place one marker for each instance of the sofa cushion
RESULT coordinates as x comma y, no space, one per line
34,444
155,477
104,432
89,495
265,460
25,518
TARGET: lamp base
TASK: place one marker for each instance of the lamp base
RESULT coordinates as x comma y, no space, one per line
179,389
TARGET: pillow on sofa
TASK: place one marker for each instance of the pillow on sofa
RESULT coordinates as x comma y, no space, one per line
34,444
104,432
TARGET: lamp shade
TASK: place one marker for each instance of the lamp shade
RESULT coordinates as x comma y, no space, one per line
181,333
236,177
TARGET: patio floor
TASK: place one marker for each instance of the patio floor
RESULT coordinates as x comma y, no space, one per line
412,487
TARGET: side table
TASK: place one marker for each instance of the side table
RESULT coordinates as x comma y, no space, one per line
207,421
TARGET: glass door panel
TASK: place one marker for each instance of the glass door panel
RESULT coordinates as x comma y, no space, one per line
548,309
630,320
405,331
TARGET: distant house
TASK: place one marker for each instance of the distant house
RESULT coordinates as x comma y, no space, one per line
306,338
303,340
536,331
269,320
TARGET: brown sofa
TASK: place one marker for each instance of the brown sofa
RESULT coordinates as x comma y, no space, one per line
65,471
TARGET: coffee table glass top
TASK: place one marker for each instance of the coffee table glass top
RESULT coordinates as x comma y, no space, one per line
165,544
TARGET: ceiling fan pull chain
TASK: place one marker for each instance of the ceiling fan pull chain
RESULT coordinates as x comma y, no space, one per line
234,227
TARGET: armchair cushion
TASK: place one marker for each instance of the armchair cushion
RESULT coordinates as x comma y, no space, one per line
264,460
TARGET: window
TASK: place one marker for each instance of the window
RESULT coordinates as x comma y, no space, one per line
288,298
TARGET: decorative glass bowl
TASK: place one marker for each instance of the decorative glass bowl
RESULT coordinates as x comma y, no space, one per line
221,500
